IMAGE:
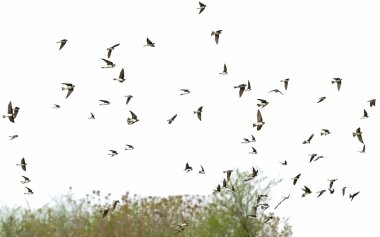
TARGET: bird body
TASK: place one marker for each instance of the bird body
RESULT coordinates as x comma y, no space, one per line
188,168
201,7
241,89
358,134
62,42
11,112
185,91
262,103
104,102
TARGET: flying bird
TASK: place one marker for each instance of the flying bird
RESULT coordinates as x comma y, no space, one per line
319,157
241,89
286,82
185,91
228,172
104,102
121,76
312,156
172,119
188,168
331,182
12,112
306,191
149,43
109,63
69,87
29,191
308,140
372,102
344,190
321,99
133,119
224,70
295,179
216,33
110,49
202,171
283,199
252,175
217,190
201,7
26,180
353,195
325,132
260,122
13,137
23,164
358,134
62,42
113,153
129,97
246,140
320,193
114,204
338,82
248,86
276,91
253,151
55,106
284,163
129,147
331,191
262,103
92,116
199,113
365,115
105,212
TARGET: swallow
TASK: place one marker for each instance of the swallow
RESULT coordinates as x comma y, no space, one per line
133,119
109,63
12,112
62,42
306,191
114,204
202,171
262,103
110,49
104,212
284,163
358,133
184,91
353,195
129,147
365,115
325,132
252,175
320,193
181,227
312,156
69,87
224,70
260,122
199,113
253,151
224,183
286,82
113,153
319,157
201,7
104,102
129,97
26,180
29,191
217,190
308,140
372,102
188,168
344,190
283,199
23,164
121,76
149,43
55,106
172,119
228,172
276,91
246,140
248,86
92,116
331,191
13,137
331,182
363,150
295,179
321,99
216,33
338,82
241,89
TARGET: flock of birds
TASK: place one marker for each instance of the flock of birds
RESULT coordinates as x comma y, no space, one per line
12,113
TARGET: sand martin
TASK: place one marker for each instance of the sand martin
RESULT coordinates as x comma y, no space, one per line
172,119
92,116
129,97
188,168
241,89
260,122
202,171
216,33
11,112
104,102
121,76
113,153
110,49
224,70
69,87
133,119
286,82
308,140
109,63
358,133
199,113
365,115
62,42
372,102
184,91
276,91
13,137
129,147
23,164
321,99
201,7
338,82
262,103
29,191
149,43
26,180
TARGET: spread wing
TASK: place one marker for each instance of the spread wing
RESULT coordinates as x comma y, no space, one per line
10,109
148,41
225,69
259,117
339,83
109,53
69,91
241,90
133,115
311,137
107,61
249,85
121,76
115,46
286,84
360,138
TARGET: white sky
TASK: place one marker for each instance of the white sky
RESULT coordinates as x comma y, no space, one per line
262,41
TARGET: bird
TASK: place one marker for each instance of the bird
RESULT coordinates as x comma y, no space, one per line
253,151
284,163
121,76
321,99
262,103
201,7
312,156
62,42
184,91
13,137
331,191
260,122
113,153
29,191
295,179
308,140
365,115
109,63
12,112
114,204
241,89
283,199
217,190
149,43
248,86
92,116
246,140
129,97
133,119
188,168
286,82
55,106
69,87
105,212
344,190
331,182
353,195
104,102
338,82
228,172
372,102
216,33
199,113
110,49
224,70
306,191
172,119
129,147
26,180
276,91
320,193
358,134
325,132
363,150
224,183
23,164
252,175
319,157
202,171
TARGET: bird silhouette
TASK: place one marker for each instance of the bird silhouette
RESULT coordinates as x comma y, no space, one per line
172,119
224,70
276,91
129,97
372,102
201,7
262,103
109,63
121,76
62,42
188,168
133,119
11,112
149,43
351,196
202,171
104,102
363,150
306,191
241,89
358,134
295,179
13,137
228,173
260,122
320,193
23,164
338,82
185,91
365,115
69,87
321,99
129,147
92,116
113,153
252,175
309,139
26,180
199,113
286,82
325,132
216,33
29,191
110,49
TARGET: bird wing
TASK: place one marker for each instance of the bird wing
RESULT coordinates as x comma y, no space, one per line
286,84
201,4
69,91
133,115
121,76
109,52
249,85
365,114
311,137
148,41
216,38
10,109
241,90
338,84
360,138
175,116
259,117
29,190
115,46
202,168
62,44
107,61
225,68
